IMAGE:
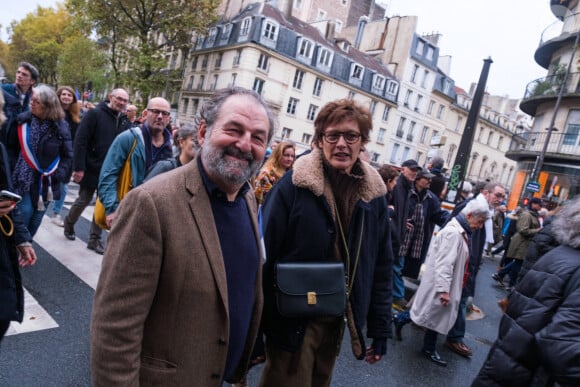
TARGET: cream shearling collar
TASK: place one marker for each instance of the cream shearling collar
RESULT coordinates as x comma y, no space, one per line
308,173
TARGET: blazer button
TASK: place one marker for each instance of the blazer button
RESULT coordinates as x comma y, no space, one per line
222,342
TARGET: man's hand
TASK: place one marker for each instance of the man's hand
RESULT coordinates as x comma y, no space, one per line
376,351
110,219
26,256
77,176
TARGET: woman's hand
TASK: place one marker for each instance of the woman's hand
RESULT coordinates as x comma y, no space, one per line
6,206
26,256
444,298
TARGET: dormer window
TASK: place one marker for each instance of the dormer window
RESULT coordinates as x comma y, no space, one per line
357,71
245,28
379,82
270,31
212,35
227,30
305,48
324,57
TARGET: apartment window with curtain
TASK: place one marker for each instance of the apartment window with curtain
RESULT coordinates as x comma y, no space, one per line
258,85
312,109
298,78
292,104
317,87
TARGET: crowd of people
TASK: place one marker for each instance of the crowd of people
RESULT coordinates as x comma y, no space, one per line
255,213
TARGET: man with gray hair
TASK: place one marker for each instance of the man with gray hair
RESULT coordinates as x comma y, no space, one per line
181,281
438,182
94,136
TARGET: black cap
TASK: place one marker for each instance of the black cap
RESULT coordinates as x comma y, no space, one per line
424,174
411,164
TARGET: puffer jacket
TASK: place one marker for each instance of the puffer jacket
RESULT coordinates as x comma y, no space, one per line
538,343
299,226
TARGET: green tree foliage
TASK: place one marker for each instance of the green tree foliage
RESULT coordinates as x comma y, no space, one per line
81,61
39,39
140,34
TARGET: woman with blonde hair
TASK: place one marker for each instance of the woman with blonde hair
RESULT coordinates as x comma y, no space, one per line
72,110
274,168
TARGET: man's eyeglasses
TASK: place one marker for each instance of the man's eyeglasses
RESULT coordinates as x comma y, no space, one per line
499,195
121,99
349,137
156,112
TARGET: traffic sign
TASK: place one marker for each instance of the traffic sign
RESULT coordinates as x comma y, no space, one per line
533,186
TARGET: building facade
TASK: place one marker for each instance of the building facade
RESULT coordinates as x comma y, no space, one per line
548,156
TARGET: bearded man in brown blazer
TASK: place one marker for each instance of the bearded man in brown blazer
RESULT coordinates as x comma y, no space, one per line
179,297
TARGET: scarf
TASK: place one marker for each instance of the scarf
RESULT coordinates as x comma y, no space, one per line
413,239
27,165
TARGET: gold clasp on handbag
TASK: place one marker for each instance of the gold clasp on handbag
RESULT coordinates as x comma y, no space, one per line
311,298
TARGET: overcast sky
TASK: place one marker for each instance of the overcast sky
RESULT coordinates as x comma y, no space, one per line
508,31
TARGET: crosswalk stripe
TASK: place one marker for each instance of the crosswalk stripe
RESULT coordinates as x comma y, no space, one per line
74,255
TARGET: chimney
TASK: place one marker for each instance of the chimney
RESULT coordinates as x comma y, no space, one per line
362,22
330,31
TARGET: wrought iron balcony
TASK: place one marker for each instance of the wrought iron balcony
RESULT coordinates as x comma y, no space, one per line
561,145
543,89
556,36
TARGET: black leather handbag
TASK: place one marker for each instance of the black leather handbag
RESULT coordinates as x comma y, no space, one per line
310,289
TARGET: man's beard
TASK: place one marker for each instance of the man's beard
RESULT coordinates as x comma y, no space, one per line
235,172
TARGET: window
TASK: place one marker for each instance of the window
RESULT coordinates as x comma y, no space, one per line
357,71
338,26
214,83
420,47
430,109
194,63
400,127
292,104
414,73
418,103
190,84
392,87
375,157
459,124
500,143
381,136
263,62
489,138
286,133
440,112
305,48
385,117
201,82
424,134
199,42
430,51
447,86
237,58
434,136
311,112
571,135
270,31
394,152
297,4
317,87
218,60
204,62
324,57
185,105
379,82
410,134
405,154
258,85
418,157
408,96
321,15
298,78
350,95
306,138
233,81
425,79
227,30
452,149
245,28
373,107
211,35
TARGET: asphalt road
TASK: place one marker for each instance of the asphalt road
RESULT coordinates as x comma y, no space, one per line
52,347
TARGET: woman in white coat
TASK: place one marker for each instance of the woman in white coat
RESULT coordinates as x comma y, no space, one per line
437,299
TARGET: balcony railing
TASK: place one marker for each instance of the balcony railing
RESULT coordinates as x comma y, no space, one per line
550,86
570,25
565,144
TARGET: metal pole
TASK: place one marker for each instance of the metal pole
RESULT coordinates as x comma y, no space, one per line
540,160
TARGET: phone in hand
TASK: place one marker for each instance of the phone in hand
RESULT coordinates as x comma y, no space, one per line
10,196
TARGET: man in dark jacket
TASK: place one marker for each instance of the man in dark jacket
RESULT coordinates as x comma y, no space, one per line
409,170
95,134
16,100
438,182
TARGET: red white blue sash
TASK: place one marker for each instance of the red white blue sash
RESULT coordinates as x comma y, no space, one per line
32,161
